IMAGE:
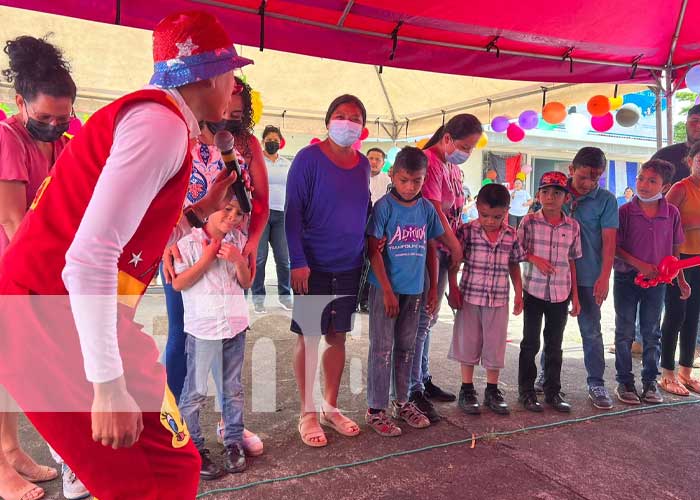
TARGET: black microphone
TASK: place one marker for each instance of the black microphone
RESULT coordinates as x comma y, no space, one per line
224,141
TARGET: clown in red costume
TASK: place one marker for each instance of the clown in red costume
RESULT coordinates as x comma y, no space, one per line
81,368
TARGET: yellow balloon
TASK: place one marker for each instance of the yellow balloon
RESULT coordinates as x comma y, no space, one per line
520,176
483,141
256,103
615,102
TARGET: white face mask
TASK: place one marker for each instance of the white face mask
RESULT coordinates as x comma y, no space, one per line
657,197
344,132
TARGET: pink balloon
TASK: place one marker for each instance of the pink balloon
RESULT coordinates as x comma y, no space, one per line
2,115
526,169
515,133
315,140
357,145
602,123
75,125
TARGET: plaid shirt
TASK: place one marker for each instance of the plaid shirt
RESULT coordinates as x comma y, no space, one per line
558,244
486,264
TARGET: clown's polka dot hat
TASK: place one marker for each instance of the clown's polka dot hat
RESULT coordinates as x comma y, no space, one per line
191,46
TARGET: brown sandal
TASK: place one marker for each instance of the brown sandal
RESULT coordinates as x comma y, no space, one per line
673,386
690,383
313,436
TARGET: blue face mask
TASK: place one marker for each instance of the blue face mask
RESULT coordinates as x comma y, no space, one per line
344,132
457,156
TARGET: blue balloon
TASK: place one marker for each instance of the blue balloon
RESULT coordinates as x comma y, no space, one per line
692,78
391,154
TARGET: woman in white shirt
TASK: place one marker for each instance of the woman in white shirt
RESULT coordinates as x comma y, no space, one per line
520,203
273,235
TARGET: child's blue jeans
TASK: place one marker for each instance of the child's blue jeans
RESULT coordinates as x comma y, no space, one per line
224,359
629,299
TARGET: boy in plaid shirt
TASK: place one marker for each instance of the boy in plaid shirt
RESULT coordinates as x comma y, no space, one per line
491,254
551,241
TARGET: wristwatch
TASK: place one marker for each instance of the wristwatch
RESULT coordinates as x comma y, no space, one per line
193,218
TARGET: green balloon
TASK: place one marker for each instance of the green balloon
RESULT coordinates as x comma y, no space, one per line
486,181
387,166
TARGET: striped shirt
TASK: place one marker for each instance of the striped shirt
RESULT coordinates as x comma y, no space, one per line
486,264
558,244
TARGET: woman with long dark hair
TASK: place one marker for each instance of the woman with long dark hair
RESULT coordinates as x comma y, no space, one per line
30,142
447,149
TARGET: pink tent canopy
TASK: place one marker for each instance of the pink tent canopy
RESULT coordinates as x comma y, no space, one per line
576,41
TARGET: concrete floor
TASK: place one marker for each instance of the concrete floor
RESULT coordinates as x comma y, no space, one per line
650,454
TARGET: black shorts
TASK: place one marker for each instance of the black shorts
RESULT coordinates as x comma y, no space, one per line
329,305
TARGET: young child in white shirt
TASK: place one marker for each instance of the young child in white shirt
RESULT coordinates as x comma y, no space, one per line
212,276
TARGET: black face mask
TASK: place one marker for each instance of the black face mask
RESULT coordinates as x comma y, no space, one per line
233,126
401,198
45,132
271,147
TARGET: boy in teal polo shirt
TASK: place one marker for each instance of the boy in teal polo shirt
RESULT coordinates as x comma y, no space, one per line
595,209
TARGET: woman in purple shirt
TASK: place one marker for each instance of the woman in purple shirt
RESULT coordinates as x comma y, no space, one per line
326,214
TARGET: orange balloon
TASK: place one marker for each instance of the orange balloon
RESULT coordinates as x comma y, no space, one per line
491,174
554,112
422,143
598,105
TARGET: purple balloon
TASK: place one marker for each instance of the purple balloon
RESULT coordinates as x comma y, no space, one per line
528,119
697,99
500,124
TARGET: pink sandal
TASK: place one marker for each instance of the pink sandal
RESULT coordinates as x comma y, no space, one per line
339,423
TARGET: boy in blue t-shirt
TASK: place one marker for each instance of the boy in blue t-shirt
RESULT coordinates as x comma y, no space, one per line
410,225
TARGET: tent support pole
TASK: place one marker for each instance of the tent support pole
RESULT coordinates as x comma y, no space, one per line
669,106
659,124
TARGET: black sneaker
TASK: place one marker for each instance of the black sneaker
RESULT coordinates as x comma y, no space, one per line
425,406
234,458
434,392
209,470
494,401
651,394
558,402
530,403
627,393
468,402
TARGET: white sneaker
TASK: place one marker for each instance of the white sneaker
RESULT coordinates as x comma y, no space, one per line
73,488
286,305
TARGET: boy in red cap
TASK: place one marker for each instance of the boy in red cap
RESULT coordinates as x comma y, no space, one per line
85,253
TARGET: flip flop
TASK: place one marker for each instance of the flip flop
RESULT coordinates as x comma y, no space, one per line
317,432
672,386
345,427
